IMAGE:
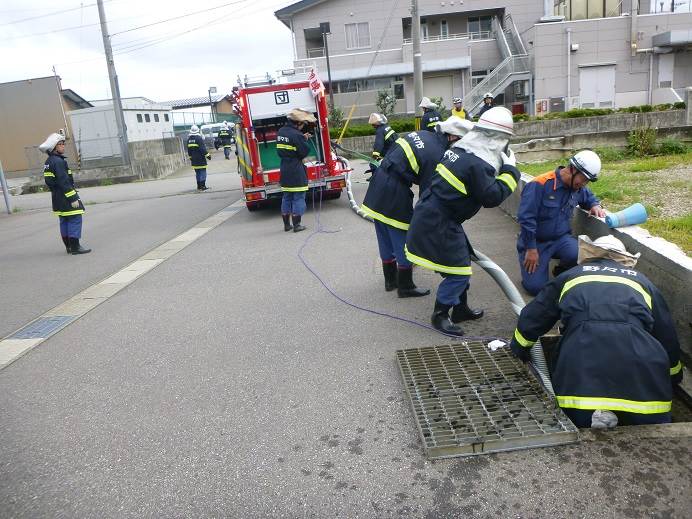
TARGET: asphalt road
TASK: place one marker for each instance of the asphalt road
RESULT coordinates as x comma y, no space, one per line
227,382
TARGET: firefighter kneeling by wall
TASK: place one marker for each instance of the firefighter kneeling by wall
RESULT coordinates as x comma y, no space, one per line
619,354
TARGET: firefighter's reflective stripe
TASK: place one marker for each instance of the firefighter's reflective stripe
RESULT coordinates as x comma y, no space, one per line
286,147
432,123
676,369
70,193
384,219
451,179
192,145
199,167
607,279
413,162
389,134
613,404
509,180
244,164
459,271
523,340
294,189
49,174
69,213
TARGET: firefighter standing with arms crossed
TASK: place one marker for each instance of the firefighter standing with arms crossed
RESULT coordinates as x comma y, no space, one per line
292,147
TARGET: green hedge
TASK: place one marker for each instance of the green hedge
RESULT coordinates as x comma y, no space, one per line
361,130
593,112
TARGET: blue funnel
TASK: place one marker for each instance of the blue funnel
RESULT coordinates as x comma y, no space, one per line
632,215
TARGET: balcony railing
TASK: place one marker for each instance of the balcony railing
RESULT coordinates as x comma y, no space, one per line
482,35
316,52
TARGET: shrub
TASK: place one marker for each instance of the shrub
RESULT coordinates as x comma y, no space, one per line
646,108
385,102
444,111
336,117
403,125
520,117
663,107
671,147
679,105
610,154
642,142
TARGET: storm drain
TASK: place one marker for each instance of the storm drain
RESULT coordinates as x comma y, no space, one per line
470,400
42,328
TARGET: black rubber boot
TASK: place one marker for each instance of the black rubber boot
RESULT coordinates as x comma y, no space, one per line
287,222
405,285
440,320
203,186
199,186
389,269
296,224
76,248
66,241
462,312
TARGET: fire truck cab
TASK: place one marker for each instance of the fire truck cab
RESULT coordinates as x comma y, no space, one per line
262,106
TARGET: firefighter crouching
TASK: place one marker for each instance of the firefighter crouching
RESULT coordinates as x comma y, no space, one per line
389,199
619,354
198,154
465,181
292,147
66,202
225,138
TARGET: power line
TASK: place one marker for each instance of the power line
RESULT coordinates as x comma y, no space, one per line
192,13
45,15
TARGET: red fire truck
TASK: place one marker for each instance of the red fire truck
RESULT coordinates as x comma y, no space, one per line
262,106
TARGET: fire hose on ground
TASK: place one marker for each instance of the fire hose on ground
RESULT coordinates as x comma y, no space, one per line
494,271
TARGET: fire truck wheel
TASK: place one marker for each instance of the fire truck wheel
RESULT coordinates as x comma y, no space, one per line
252,206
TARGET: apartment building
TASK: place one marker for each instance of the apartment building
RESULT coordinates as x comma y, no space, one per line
535,56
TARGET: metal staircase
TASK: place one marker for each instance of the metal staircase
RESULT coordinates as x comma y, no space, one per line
514,67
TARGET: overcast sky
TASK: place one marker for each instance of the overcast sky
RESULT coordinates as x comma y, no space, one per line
243,38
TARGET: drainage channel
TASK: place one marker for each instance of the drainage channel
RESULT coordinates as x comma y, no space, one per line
468,399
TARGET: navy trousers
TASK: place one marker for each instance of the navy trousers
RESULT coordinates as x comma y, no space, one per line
71,226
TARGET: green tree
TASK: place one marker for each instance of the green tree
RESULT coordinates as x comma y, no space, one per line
444,111
385,102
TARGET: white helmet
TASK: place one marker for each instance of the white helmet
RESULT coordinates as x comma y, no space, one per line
225,124
454,126
376,118
587,163
456,101
194,129
51,142
498,119
427,103
488,95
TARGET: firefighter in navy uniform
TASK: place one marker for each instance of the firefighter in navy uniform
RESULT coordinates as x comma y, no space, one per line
385,137
225,138
389,199
66,202
199,155
487,103
465,181
430,115
292,147
619,354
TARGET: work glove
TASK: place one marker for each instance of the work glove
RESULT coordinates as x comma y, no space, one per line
508,160
75,204
523,354
208,156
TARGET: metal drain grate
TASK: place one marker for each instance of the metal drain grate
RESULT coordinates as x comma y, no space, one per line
42,328
469,400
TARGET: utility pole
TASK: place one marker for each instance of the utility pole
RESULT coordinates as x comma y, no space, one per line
115,89
417,67
325,28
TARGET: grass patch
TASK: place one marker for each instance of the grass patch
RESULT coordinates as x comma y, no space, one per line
676,230
106,182
16,209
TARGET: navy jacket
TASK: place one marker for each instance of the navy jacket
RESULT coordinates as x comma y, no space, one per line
197,151
384,138
58,177
411,160
484,109
292,147
463,184
429,120
225,137
546,207
619,350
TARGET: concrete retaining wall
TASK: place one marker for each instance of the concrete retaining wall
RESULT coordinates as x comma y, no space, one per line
661,261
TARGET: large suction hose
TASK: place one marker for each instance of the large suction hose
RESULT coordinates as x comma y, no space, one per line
501,278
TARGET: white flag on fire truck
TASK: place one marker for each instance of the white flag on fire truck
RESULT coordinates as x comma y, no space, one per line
316,84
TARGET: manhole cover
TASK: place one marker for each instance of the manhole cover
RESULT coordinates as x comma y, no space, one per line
42,328
469,400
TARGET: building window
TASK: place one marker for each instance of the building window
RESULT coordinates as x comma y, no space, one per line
423,31
584,9
156,118
139,118
480,27
398,85
147,118
444,29
357,35
165,117
477,76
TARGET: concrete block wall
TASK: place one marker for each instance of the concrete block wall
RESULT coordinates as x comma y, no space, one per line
661,261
